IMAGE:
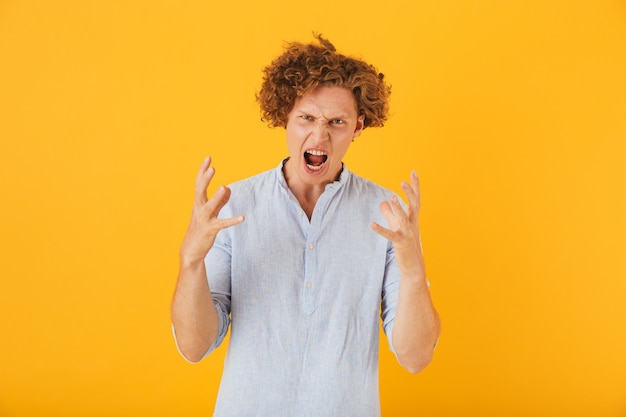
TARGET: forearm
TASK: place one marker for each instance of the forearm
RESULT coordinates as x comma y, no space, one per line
416,326
194,315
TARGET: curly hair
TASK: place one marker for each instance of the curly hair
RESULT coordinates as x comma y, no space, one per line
304,67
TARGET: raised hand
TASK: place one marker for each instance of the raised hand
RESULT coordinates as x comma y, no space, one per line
403,229
205,224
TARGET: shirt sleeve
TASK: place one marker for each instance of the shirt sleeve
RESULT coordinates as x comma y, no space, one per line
390,291
217,264
218,269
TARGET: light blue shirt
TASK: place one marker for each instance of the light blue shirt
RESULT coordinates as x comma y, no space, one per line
303,299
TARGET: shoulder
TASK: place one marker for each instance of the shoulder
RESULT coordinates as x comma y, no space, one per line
365,188
254,182
249,191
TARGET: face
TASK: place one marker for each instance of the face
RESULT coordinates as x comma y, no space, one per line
320,129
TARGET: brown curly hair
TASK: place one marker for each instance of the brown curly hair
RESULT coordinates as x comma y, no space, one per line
304,67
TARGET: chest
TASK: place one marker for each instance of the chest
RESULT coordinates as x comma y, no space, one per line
283,261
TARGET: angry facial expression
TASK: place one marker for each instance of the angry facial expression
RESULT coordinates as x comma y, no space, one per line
320,128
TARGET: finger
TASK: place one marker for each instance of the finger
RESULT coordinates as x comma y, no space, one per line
409,191
388,214
415,186
205,175
384,232
218,201
415,179
229,222
412,194
205,164
203,167
398,209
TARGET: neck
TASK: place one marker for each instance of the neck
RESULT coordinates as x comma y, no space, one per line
306,194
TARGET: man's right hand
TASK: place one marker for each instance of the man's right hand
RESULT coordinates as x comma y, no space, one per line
194,315
205,224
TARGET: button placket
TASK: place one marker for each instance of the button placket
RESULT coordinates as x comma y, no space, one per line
313,228
309,278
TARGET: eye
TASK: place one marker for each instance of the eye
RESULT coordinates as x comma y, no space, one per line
306,117
337,122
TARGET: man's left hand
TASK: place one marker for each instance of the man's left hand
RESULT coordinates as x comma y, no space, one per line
403,229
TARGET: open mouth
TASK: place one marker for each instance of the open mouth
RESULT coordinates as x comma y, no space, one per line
315,159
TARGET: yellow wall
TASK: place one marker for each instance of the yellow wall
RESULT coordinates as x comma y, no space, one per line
512,112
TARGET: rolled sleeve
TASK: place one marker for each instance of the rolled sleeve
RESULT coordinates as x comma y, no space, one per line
391,290
218,268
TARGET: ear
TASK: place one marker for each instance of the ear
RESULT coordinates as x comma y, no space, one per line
360,125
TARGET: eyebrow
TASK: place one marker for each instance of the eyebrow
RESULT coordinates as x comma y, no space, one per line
340,116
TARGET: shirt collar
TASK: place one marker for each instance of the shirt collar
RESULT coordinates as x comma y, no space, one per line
343,177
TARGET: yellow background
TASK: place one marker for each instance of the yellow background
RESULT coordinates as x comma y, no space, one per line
512,112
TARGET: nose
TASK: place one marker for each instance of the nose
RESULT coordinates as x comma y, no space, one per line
319,131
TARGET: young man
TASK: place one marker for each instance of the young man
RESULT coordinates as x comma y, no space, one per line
302,278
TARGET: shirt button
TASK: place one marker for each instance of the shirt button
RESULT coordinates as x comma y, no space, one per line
309,284
311,246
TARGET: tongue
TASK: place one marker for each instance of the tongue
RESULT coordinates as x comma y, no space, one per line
316,159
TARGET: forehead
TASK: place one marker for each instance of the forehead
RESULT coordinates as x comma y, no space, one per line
328,102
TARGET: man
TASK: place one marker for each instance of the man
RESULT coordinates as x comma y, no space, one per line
302,278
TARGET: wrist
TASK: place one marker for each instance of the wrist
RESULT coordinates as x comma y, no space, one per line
190,261
417,279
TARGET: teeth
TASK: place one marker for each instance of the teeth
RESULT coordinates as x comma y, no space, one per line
316,152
